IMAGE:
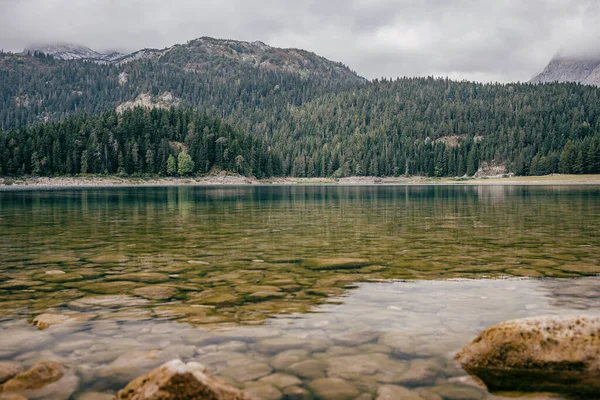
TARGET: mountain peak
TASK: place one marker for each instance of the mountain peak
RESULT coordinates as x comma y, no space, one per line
197,54
569,68
69,51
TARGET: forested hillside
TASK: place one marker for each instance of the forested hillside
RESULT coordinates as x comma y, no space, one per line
317,117
438,127
139,141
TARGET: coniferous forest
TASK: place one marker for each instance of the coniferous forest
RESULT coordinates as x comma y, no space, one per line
165,142
290,113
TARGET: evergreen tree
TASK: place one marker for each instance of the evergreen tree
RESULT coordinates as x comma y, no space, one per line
171,165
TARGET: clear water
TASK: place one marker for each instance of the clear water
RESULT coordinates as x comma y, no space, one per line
368,286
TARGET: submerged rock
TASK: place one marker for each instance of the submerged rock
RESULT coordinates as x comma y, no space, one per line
156,292
128,365
12,396
177,380
281,380
55,272
334,389
9,370
44,321
263,391
336,263
46,380
392,392
95,396
145,277
555,354
109,259
15,341
95,302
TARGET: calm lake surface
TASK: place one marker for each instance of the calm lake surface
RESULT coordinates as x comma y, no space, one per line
275,289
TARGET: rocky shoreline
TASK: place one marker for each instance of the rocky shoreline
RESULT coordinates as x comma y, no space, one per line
550,355
34,183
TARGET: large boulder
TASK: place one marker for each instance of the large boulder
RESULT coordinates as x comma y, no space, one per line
176,380
553,354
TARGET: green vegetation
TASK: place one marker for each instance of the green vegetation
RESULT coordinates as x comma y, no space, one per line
134,143
317,117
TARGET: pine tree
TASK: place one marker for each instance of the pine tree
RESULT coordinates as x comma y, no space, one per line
171,166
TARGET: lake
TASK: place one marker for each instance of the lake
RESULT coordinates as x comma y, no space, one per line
288,291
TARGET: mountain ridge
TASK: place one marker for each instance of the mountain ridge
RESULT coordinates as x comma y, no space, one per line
68,51
204,49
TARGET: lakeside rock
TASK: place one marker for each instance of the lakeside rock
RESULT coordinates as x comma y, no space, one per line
177,380
553,354
50,380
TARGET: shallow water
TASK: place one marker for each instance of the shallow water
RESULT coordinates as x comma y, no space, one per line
314,282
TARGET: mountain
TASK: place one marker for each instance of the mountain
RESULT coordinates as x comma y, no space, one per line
224,78
584,70
196,54
317,116
75,52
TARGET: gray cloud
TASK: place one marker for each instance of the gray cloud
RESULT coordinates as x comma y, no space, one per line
503,40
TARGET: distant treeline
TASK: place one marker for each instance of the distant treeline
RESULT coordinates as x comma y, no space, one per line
138,141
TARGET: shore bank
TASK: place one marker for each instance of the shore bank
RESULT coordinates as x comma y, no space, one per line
212,180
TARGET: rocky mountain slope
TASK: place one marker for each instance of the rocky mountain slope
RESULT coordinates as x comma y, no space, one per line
584,70
197,54
75,52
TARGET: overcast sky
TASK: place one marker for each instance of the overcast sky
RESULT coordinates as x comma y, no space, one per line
495,40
